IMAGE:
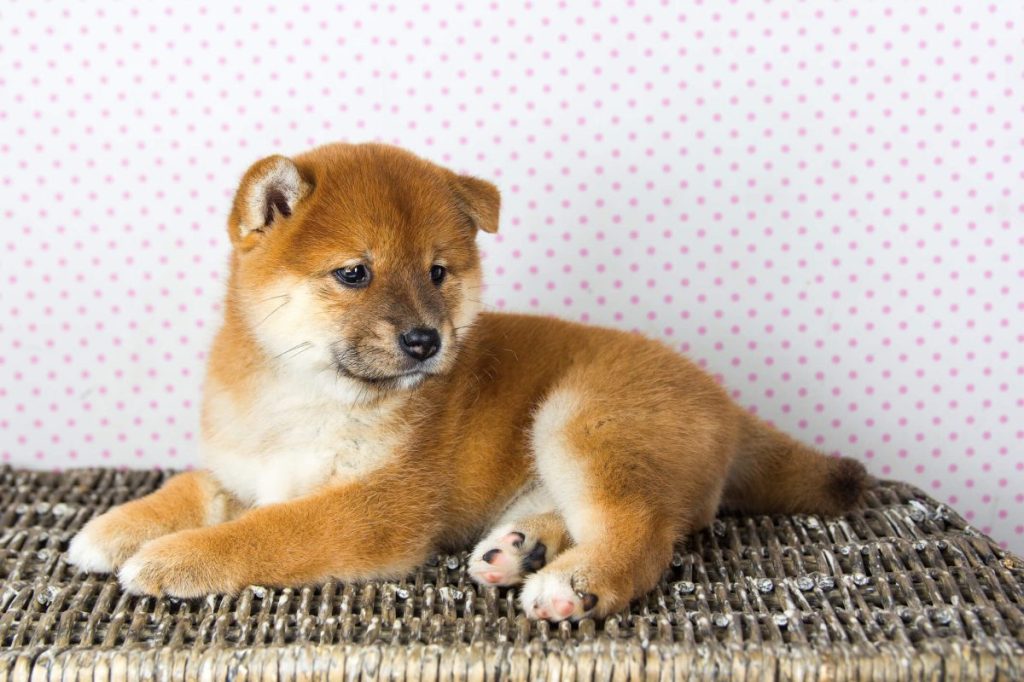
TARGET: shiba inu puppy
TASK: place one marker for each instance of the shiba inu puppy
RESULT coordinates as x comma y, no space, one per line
360,412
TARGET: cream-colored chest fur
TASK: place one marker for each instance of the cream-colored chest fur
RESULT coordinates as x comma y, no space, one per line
292,438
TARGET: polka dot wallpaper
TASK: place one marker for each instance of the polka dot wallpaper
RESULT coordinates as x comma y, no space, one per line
822,203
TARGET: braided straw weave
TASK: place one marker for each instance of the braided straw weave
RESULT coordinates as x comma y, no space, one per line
903,589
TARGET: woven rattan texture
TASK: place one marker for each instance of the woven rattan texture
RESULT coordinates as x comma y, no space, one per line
903,589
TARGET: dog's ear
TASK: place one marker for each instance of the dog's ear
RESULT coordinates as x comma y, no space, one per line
269,192
479,200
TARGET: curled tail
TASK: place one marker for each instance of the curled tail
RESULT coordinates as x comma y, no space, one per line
773,473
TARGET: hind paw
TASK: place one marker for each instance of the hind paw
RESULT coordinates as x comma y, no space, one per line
551,596
506,556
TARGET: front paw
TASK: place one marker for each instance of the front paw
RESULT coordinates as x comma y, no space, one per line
180,565
104,544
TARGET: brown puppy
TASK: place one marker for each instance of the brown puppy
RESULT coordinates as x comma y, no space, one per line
360,412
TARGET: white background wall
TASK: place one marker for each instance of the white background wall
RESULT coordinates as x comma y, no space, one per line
820,202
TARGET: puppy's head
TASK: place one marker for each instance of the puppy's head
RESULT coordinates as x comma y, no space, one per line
358,262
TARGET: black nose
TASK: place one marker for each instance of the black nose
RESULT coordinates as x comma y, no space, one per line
420,343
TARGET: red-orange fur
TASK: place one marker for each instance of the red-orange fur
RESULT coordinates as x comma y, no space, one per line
657,442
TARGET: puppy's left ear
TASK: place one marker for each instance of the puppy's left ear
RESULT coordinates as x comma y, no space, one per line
479,200
269,192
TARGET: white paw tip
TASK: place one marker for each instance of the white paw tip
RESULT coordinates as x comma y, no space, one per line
550,597
128,575
87,554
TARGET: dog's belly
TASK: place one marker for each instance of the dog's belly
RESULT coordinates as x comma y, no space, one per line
283,449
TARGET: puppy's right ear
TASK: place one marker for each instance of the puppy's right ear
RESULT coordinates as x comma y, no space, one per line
269,192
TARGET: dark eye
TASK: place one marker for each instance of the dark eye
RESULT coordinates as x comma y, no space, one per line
437,274
353,276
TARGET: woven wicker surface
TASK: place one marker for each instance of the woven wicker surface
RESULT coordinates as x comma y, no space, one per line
903,589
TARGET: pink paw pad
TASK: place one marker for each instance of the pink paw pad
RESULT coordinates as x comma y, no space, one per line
563,607
504,559
515,539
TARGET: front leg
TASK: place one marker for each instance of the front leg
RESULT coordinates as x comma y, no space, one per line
383,526
185,501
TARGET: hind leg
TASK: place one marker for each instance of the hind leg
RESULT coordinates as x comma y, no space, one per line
628,485
526,537
602,575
